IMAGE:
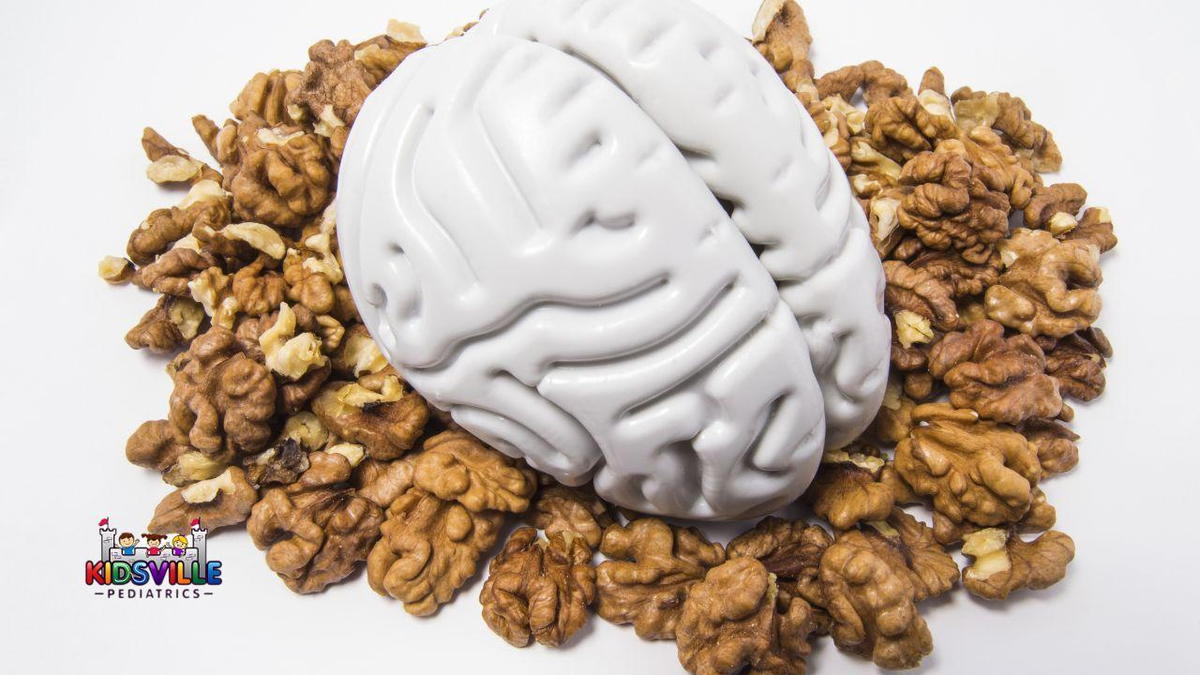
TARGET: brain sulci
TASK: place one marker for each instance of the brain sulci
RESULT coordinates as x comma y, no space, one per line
605,237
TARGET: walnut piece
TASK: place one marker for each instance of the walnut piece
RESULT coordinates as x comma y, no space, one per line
316,530
734,622
974,470
375,411
872,604
846,491
1008,116
171,324
454,465
539,589
1049,287
222,399
791,550
1001,379
206,205
780,34
1002,562
278,175
429,549
652,565
217,502
559,508
1077,362
382,482
1054,443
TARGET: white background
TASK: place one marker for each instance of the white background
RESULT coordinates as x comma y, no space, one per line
1114,81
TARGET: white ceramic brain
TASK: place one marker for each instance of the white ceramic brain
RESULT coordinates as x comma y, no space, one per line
604,236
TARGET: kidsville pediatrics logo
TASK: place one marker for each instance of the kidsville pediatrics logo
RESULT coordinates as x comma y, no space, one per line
167,566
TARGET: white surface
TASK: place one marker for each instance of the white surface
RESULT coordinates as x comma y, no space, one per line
1110,79
551,268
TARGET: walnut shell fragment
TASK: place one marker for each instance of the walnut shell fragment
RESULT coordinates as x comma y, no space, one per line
539,589
735,622
652,565
429,549
1002,562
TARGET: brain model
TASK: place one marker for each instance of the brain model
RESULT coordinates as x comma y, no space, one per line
606,238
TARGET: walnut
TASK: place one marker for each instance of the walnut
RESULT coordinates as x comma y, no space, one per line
206,204
1001,379
306,284
1051,201
376,411
1002,562
780,34
734,622
115,270
791,550
1094,227
845,490
1054,443
1008,116
1040,517
894,419
287,459
159,445
358,354
974,470
948,203
171,324
287,353
876,81
218,502
872,603
170,164
257,290
339,76
278,175
559,508
429,549
911,548
453,465
652,567
1049,287
223,399
963,278
316,530
901,127
1077,362
173,271
921,293
265,95
539,589
382,482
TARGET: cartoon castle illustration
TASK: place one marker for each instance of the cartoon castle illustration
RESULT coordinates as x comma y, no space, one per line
109,551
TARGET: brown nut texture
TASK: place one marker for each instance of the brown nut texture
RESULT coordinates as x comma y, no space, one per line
455,466
734,622
429,549
317,530
651,567
539,589
1002,562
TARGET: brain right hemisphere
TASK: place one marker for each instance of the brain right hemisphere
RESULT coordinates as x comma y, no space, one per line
538,251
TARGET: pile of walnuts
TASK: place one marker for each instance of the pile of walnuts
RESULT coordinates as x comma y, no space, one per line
286,417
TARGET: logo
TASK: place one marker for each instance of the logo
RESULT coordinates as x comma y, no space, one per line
168,566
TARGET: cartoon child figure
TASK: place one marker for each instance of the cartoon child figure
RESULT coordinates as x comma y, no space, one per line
178,544
154,543
127,542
